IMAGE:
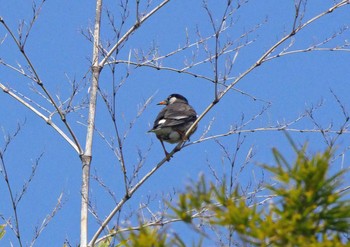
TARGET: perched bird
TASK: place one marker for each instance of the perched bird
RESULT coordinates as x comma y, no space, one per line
174,120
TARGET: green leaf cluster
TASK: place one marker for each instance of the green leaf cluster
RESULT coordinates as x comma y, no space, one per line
306,210
2,231
146,236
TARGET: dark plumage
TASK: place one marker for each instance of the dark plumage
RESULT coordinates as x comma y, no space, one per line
174,120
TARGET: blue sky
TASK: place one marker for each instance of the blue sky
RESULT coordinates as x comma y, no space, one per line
58,50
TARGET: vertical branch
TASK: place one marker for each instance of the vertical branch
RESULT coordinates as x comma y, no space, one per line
13,197
217,32
86,158
216,80
15,228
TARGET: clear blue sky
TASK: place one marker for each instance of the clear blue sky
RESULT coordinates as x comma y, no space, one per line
59,51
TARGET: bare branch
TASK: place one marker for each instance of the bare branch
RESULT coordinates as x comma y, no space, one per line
261,60
14,202
131,31
29,180
36,77
42,116
47,220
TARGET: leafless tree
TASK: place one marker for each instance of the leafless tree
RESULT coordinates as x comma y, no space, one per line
215,50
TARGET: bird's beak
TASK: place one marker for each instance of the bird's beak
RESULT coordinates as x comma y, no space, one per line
162,102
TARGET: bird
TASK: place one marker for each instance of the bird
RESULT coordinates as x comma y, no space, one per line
174,120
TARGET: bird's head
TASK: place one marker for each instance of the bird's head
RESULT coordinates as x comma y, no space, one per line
172,98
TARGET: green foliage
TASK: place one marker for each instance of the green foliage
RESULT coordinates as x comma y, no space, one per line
106,242
2,231
307,209
149,237
310,211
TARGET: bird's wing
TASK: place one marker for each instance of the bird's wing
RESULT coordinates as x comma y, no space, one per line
177,114
159,119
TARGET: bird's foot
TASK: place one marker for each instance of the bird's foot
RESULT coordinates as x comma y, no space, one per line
168,156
